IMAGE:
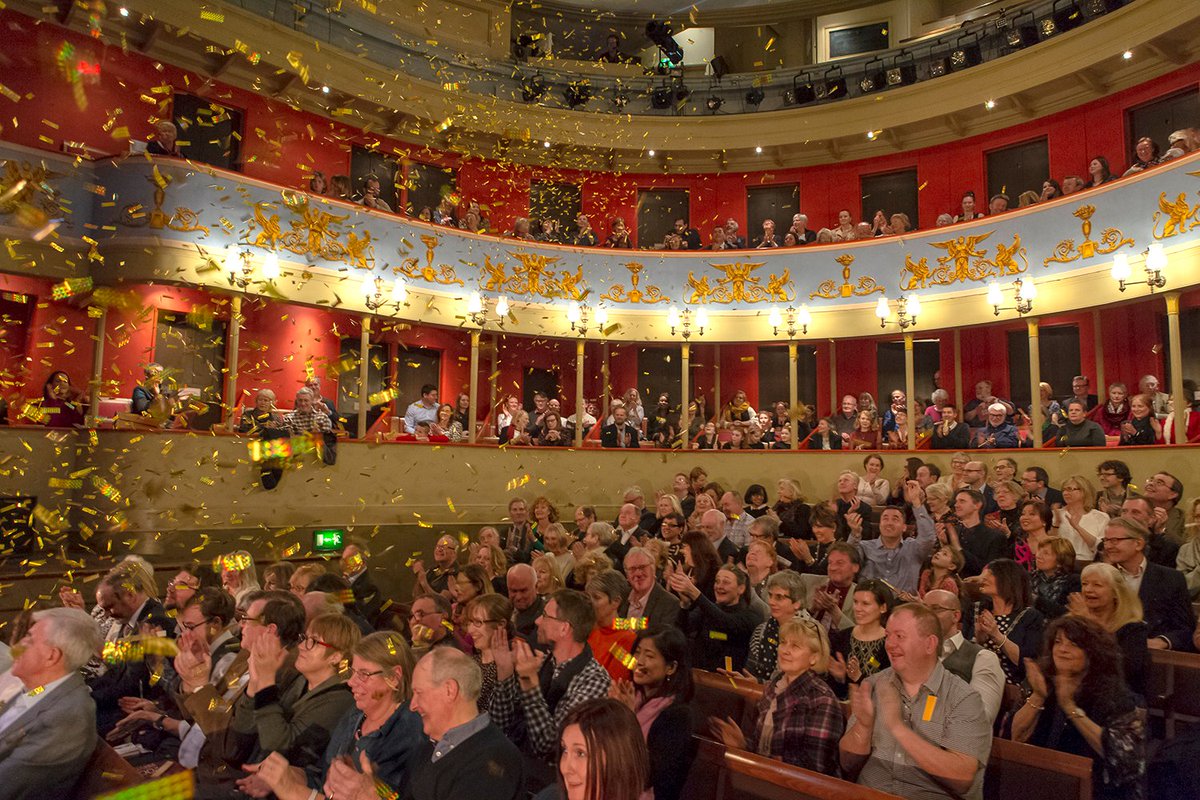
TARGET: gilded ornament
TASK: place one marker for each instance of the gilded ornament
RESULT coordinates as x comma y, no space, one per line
957,265
532,277
739,285
1175,216
619,294
830,289
314,233
183,219
1111,240
24,185
442,273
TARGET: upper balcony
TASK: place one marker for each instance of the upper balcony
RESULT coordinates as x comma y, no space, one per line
425,91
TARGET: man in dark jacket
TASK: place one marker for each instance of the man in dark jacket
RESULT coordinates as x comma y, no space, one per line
1162,590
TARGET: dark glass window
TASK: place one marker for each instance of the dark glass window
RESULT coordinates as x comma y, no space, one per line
657,210
1015,169
212,132
891,193
778,203
558,201
858,39
366,161
1158,120
426,185
1058,350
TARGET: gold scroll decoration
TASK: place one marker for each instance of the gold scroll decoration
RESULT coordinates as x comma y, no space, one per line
1175,216
739,284
442,273
533,276
25,190
634,294
314,233
964,261
183,219
830,289
1111,240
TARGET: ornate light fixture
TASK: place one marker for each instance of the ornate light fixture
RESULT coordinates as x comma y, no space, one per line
792,318
373,287
578,315
682,320
477,310
1156,265
907,310
1026,291
239,266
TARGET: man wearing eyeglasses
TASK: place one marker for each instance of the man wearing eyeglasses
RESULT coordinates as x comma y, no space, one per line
973,663
647,599
1163,591
1160,548
1164,490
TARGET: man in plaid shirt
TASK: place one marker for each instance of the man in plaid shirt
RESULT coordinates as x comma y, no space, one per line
535,691
307,418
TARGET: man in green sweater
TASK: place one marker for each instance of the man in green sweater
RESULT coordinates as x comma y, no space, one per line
466,757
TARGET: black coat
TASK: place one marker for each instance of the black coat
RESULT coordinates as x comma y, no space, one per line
1167,606
608,436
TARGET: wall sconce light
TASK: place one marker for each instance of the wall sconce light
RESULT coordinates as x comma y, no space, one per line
578,316
682,321
239,266
907,310
1156,265
477,309
1026,291
793,318
373,290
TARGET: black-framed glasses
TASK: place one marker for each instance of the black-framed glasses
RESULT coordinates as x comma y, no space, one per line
1108,539
181,626
555,619
177,585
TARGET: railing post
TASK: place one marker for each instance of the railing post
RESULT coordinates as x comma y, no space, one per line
1035,382
579,392
364,354
1175,344
793,395
910,388
473,390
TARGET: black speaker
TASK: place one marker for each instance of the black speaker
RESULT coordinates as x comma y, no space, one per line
720,67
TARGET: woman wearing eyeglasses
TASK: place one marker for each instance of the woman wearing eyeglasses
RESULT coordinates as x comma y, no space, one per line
374,741
299,727
483,616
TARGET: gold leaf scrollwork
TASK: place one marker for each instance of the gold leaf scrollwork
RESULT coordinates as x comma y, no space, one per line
1175,216
634,294
1111,240
185,219
532,277
442,273
831,290
957,265
740,285
25,187
314,233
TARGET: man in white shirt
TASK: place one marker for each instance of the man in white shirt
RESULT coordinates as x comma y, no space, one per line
48,730
976,665
423,410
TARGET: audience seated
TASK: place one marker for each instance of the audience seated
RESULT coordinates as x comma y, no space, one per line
975,664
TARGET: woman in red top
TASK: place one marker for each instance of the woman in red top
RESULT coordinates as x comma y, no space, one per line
1112,414
611,647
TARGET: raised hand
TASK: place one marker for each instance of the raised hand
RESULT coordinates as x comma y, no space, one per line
70,598
1036,680
267,656
502,655
194,662
624,692
854,670
528,662
728,732
862,705
838,668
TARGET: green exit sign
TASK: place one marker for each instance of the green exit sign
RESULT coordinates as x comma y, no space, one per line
328,540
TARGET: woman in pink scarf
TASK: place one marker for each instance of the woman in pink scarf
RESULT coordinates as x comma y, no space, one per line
1111,415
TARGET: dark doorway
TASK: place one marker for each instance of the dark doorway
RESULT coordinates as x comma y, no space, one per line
558,201
427,184
889,360
347,402
1160,118
209,129
658,372
657,210
891,193
417,367
192,353
539,380
777,203
364,162
1058,356
773,376
1015,169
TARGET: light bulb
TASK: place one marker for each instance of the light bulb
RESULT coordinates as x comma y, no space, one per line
369,286
804,317
233,259
1156,258
270,266
994,296
775,319
601,316
914,306
573,313
474,303
502,306
882,309
1120,267
672,317
1028,290
399,292
702,317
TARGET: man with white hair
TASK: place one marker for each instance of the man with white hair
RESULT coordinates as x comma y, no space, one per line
998,432
465,755
801,230
712,523
1159,401
48,730
307,418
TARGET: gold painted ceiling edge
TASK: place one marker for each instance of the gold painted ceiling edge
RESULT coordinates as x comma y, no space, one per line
1066,72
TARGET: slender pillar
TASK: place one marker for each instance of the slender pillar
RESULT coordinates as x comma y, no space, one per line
958,376
493,381
793,394
231,358
685,390
1035,382
1098,340
834,405
579,392
910,391
717,382
605,389
364,356
473,389
1175,346
97,376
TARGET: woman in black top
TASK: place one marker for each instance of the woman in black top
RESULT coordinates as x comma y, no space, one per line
708,439
700,561
792,511
659,695
1054,578
720,629
1142,427
1081,704
1099,172
1005,621
858,652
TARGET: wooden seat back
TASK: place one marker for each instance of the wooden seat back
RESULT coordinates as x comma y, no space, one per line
1173,687
1015,768
723,697
105,772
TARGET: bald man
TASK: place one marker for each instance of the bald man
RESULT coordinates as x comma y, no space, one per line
976,665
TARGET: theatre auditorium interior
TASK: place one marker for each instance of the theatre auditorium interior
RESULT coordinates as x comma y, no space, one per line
600,399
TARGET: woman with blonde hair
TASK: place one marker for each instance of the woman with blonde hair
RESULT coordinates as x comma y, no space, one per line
1107,598
549,574
495,564
1079,521
792,511
238,575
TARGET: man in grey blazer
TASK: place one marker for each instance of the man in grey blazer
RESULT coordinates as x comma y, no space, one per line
48,729
646,598
832,596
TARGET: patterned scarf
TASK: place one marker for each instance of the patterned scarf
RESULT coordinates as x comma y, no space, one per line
768,647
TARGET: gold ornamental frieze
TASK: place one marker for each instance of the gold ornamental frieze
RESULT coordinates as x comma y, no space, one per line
1176,218
182,219
964,261
1111,240
831,290
442,273
315,233
635,294
739,284
533,276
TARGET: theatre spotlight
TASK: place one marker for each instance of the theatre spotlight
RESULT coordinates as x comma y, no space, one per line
682,93
660,98
714,102
964,56
871,82
802,91
620,99
577,93
939,67
659,32
832,89
533,88
755,96
1020,33
902,73
1069,17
